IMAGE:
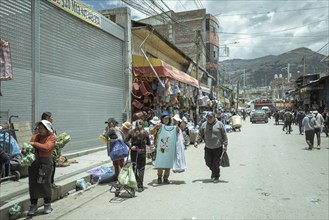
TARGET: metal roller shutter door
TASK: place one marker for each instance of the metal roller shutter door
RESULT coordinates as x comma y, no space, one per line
81,80
15,27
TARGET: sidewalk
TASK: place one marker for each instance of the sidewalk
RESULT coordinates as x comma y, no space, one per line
12,192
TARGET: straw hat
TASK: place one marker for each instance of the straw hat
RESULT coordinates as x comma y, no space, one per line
177,118
127,125
155,120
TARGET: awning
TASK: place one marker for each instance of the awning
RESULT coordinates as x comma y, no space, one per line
205,89
142,68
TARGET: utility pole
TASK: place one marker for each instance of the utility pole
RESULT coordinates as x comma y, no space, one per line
198,34
237,96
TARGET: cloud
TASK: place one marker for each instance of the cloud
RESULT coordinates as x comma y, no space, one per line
262,27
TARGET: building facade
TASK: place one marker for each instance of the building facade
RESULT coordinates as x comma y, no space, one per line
67,59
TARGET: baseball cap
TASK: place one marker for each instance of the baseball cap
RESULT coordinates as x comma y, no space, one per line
165,114
112,120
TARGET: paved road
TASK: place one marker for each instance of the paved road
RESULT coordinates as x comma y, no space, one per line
271,176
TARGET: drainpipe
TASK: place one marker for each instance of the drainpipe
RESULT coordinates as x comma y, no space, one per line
140,47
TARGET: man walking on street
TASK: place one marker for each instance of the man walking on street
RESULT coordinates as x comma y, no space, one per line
299,119
288,117
214,135
317,128
308,127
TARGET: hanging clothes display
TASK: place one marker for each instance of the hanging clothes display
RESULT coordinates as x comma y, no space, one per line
6,69
179,164
166,147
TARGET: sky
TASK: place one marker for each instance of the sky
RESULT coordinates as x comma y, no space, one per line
251,28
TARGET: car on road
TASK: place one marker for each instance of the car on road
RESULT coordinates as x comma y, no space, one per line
259,115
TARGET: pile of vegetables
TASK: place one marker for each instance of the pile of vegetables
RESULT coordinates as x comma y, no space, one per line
61,140
28,153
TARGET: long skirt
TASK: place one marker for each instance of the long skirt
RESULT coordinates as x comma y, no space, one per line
39,178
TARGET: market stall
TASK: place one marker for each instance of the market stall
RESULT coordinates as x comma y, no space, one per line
158,86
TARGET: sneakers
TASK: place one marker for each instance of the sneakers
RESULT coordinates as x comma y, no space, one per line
47,208
33,210
166,181
216,180
140,189
159,180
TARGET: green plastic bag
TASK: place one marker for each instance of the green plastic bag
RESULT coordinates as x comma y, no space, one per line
127,177
15,211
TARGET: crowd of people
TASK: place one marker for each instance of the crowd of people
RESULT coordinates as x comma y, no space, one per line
310,123
136,137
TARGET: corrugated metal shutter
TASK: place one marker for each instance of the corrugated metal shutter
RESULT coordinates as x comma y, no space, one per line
15,27
81,80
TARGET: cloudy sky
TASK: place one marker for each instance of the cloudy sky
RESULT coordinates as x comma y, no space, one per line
252,28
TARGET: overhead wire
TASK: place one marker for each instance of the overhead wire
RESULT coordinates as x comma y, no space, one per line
260,13
182,5
265,32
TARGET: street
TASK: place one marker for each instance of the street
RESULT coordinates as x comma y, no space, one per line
271,176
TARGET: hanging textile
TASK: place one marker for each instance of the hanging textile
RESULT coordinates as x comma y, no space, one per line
6,69
166,147
179,165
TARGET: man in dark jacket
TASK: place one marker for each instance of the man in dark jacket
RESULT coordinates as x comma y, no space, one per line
214,135
299,119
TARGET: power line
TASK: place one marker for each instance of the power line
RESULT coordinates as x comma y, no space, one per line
182,5
288,29
318,50
260,13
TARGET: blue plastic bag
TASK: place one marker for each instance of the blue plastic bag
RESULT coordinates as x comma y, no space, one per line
118,150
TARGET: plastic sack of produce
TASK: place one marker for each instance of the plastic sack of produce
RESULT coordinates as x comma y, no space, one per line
63,138
28,154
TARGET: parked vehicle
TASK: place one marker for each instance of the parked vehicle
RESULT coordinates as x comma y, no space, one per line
259,115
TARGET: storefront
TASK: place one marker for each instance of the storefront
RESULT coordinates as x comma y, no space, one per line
67,59
158,86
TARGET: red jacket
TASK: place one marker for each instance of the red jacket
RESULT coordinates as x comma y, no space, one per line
45,145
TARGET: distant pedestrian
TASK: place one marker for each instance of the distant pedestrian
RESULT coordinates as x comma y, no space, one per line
326,122
125,130
41,168
299,119
308,127
276,117
317,128
288,118
214,135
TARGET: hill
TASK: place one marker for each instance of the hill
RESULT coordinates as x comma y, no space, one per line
261,71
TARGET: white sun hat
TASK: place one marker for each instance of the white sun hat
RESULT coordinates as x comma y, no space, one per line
177,118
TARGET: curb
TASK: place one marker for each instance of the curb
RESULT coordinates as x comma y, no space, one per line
66,184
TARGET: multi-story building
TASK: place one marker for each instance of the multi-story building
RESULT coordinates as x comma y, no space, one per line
195,33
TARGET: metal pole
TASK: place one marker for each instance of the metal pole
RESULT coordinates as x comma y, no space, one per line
197,74
237,96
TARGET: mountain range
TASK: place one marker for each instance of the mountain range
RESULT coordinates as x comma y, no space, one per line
261,71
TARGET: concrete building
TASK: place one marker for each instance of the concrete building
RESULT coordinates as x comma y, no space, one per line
195,33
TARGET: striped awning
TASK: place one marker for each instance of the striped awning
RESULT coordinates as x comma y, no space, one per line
142,68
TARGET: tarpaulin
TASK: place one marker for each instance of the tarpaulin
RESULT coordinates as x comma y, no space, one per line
142,68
